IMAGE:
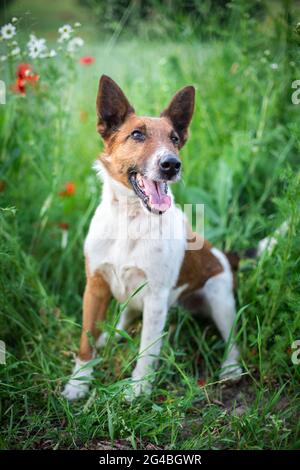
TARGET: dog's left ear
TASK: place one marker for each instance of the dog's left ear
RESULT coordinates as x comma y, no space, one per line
180,111
112,107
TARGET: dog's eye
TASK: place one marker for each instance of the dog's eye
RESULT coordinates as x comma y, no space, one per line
137,135
175,139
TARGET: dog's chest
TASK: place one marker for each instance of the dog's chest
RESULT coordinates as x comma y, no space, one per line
124,274
136,255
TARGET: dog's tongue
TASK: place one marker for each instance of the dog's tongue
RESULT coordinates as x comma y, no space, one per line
158,199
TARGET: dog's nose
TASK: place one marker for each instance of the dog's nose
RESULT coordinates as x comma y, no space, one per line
169,165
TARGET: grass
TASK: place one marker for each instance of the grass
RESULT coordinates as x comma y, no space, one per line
241,161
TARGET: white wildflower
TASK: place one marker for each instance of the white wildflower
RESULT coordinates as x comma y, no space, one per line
8,31
74,44
274,66
32,40
36,47
3,58
66,29
15,51
65,32
14,19
52,53
77,24
64,37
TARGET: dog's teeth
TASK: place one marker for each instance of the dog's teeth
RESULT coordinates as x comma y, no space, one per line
140,181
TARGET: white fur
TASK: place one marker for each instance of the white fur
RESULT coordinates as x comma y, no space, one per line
78,385
268,244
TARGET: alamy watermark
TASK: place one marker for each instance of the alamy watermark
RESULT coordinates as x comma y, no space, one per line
295,95
2,352
295,346
171,225
2,92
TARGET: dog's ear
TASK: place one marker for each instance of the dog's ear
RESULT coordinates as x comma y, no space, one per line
180,111
112,107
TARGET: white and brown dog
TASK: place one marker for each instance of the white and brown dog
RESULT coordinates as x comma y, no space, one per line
131,239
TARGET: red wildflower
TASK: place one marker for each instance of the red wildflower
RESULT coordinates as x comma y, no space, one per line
161,398
201,382
87,60
24,75
19,86
253,352
69,189
23,70
63,225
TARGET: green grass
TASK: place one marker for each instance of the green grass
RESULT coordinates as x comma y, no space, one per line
44,18
241,161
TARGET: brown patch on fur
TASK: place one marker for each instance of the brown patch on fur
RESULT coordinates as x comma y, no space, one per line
95,302
233,258
198,266
194,302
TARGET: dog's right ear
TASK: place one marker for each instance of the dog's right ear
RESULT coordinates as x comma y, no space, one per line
112,107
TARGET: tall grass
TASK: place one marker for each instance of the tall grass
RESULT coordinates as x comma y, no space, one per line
241,161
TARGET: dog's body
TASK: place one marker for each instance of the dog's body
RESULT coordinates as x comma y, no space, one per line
128,246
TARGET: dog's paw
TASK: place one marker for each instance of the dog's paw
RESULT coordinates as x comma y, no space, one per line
75,390
78,385
137,388
231,371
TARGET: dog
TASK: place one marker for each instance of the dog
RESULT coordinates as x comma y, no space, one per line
139,162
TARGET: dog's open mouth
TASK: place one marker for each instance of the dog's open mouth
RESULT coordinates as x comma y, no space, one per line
152,193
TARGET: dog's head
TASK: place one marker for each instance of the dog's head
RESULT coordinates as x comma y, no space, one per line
142,153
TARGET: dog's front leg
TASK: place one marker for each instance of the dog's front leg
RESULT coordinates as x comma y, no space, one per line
154,319
95,302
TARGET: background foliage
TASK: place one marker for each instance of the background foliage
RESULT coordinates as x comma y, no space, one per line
242,162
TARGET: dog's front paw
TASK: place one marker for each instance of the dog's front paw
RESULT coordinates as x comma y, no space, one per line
136,388
231,371
78,385
75,390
